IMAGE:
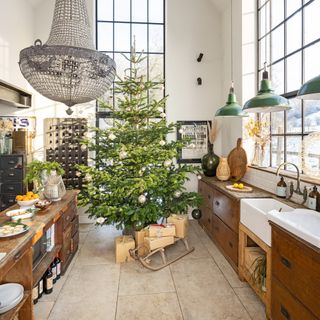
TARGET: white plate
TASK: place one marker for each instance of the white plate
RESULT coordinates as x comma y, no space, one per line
10,296
14,234
23,214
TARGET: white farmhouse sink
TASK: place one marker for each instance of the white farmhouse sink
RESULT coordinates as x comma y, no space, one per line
253,214
303,223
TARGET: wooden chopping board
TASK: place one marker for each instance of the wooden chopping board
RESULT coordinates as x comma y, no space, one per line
237,161
245,189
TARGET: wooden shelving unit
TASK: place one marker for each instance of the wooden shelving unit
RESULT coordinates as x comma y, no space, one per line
13,312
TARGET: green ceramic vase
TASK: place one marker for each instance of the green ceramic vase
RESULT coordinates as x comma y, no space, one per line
210,162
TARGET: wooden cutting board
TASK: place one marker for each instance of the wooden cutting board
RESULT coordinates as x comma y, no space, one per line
237,160
245,189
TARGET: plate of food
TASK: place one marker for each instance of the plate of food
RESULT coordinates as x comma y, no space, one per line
12,228
21,213
27,200
43,204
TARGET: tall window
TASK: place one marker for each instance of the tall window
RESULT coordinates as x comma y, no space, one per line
120,24
289,41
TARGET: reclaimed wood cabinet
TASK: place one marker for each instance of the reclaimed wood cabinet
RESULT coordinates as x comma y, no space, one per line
295,277
220,219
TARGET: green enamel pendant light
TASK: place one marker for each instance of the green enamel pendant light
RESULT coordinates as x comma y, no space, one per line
232,107
266,100
310,90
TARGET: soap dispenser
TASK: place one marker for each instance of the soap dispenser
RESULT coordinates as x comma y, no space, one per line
312,198
281,188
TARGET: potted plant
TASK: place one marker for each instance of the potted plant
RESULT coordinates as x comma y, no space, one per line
260,272
38,172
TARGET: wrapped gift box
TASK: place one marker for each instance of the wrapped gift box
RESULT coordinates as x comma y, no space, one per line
122,246
139,238
161,230
181,222
155,243
250,256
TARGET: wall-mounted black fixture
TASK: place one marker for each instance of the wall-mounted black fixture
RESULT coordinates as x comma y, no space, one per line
199,80
200,57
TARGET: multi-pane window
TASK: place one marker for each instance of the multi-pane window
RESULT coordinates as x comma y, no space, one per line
121,24
289,42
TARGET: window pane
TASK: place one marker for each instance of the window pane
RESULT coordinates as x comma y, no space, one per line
311,21
294,72
139,11
292,6
311,55
156,9
294,117
277,147
105,123
277,122
277,12
294,33
311,115
122,64
277,40
293,151
156,67
122,37
156,94
156,38
105,36
264,16
121,10
140,33
277,77
143,67
105,10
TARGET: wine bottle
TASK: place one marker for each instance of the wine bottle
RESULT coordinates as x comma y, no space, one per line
58,267
48,282
40,287
35,294
54,271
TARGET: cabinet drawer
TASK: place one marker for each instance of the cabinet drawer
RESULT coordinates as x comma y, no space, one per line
285,307
11,175
75,242
227,239
7,200
11,162
227,210
207,194
206,219
66,244
12,187
297,267
69,215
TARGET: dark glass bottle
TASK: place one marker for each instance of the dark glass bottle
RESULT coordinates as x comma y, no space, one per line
40,287
281,188
48,282
35,294
58,267
210,162
54,271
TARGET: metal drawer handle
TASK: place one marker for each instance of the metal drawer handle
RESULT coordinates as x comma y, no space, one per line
285,312
209,220
217,203
285,262
230,244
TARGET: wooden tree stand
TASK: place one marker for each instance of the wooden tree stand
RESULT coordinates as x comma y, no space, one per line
146,259
245,238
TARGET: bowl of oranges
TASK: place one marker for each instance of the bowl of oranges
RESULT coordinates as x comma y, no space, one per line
27,200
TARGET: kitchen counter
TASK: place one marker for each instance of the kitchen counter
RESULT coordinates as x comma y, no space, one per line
12,246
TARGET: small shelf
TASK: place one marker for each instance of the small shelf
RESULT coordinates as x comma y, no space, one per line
14,96
13,312
40,268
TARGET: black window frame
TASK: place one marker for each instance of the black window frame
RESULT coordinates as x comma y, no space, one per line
286,55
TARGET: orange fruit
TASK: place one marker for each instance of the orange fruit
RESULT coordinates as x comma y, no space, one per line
36,196
29,193
19,197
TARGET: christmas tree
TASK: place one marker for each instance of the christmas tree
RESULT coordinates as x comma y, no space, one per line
135,180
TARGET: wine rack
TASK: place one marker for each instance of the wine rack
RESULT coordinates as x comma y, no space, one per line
62,144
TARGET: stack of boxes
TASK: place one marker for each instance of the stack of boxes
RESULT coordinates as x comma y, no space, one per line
152,237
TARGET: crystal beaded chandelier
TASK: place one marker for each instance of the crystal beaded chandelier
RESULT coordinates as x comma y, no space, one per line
67,68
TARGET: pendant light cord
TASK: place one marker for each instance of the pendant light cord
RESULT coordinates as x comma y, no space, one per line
231,25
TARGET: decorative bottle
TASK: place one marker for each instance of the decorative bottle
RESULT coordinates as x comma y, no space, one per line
312,199
223,170
210,162
281,188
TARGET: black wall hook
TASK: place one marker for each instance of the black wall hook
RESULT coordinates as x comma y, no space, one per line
199,80
200,57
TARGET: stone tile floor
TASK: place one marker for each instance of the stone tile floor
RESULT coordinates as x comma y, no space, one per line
200,286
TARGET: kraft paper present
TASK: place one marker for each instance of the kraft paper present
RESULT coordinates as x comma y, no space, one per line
161,230
250,256
181,222
139,238
122,246
155,243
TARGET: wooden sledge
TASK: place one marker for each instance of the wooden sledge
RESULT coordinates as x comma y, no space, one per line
146,260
